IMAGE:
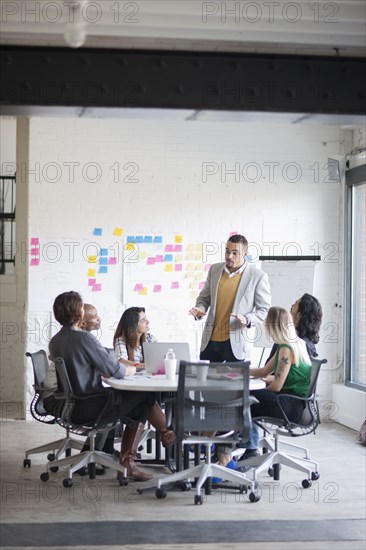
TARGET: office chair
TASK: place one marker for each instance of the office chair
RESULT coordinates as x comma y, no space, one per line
65,445
274,428
89,457
219,403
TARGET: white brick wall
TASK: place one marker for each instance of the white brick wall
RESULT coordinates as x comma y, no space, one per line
172,195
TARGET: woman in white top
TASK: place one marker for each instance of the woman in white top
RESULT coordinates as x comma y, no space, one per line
131,332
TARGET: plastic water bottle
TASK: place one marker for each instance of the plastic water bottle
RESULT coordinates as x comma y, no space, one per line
170,354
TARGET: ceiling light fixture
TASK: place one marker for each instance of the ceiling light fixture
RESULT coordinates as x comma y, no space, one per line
75,24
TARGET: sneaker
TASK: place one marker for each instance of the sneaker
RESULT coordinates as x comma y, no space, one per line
250,453
231,465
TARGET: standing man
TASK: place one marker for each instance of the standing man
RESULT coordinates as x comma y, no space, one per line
237,296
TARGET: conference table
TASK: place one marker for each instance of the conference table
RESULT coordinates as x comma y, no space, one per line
160,384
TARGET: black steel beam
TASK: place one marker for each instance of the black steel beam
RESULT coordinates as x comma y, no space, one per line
181,80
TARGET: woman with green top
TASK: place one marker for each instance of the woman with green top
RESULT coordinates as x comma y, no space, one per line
291,366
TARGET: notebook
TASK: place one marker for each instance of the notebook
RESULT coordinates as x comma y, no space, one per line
154,353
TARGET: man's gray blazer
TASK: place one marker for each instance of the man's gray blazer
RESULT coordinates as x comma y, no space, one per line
253,299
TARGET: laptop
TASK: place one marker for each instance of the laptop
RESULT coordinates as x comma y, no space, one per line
154,353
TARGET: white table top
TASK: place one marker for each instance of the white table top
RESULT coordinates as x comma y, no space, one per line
158,382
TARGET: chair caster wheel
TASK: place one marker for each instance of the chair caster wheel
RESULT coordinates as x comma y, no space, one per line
160,493
271,471
51,457
68,482
315,476
306,483
123,481
27,463
54,468
185,486
253,497
198,499
45,476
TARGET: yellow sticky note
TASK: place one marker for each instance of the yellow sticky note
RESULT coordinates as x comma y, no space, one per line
118,232
142,255
92,272
143,291
169,268
92,259
178,239
130,247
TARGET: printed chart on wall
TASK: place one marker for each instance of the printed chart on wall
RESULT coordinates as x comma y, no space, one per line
157,266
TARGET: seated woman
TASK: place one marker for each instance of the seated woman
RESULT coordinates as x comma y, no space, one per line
291,366
86,362
131,332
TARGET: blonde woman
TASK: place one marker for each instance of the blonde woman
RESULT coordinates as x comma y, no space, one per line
291,366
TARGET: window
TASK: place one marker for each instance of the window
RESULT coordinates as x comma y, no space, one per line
356,279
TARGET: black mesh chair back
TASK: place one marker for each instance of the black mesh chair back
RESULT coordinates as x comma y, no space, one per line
40,369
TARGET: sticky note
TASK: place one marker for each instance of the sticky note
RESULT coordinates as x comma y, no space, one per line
92,259
34,241
178,248
194,284
175,285
151,261
198,247
198,256
191,247
138,287
118,232
97,231
103,261
159,258
178,257
199,276
158,239
233,233
112,261
168,258
104,251
34,261
190,274
190,267
92,272
130,246
148,239
34,251
169,248
201,285
178,267
131,239
103,269
178,239
191,256
207,267
91,282
157,288
97,288
139,239
143,291
142,255
169,268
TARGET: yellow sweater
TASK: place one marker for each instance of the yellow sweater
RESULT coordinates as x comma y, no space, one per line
226,293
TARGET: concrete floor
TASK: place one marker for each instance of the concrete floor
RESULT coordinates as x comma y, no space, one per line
327,515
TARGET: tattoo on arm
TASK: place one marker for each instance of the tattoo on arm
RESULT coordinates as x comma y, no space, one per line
282,364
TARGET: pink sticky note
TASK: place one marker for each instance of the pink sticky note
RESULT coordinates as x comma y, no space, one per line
157,288
138,287
233,233
97,288
112,261
178,248
34,261
207,267
169,248
34,251
91,282
34,241
159,258
151,261
178,267
201,285
175,285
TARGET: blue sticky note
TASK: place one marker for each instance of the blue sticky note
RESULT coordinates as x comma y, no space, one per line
103,269
139,239
148,239
131,239
103,261
104,251
97,231
249,258
158,239
168,258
